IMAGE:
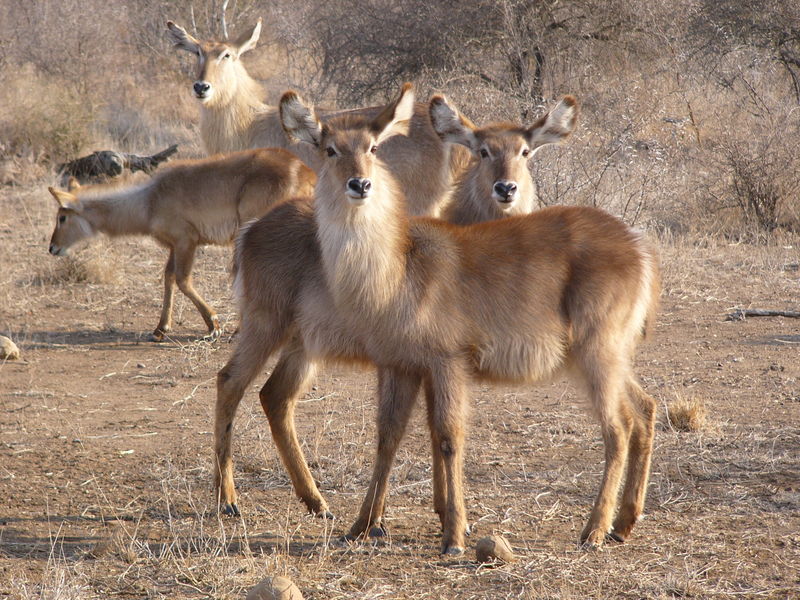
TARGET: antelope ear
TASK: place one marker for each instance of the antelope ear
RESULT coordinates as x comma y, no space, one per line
555,126
298,119
181,39
248,41
73,184
64,199
450,125
395,118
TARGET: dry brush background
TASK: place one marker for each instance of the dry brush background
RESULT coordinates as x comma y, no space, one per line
690,128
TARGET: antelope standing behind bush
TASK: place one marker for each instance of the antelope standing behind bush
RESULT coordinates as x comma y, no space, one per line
234,117
189,204
284,302
565,289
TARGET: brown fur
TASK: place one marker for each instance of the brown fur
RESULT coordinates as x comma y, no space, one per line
520,299
284,301
189,204
500,156
234,117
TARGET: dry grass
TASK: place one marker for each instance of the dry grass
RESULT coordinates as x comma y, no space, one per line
687,414
91,266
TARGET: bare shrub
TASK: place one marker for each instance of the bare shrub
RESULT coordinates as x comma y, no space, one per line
751,167
755,189
56,125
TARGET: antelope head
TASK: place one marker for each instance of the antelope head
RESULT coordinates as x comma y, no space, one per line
348,144
218,69
502,150
71,226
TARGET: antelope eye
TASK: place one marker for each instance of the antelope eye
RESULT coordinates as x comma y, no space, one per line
62,218
374,149
330,150
526,153
484,153
226,55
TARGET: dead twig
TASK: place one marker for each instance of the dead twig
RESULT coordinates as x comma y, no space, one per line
106,164
740,314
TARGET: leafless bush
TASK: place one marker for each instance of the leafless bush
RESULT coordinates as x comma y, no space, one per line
756,188
41,118
751,161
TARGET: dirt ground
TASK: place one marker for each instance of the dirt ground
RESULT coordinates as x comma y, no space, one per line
106,445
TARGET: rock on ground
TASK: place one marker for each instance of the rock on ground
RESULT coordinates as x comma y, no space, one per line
8,349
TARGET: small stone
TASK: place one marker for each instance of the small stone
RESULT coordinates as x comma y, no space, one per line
494,547
140,365
8,349
275,588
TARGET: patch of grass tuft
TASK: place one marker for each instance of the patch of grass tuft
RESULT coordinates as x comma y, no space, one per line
687,414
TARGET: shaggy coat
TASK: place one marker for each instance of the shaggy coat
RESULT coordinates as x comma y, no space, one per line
571,290
563,290
284,302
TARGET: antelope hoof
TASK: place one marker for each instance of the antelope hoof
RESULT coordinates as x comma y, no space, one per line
377,531
231,510
157,336
592,539
448,550
325,514
613,536
622,527
213,335
356,532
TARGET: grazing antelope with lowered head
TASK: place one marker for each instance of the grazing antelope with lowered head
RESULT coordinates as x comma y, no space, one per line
189,204
284,303
565,289
234,117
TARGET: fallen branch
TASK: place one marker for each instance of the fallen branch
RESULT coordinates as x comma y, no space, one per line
740,314
106,164
148,163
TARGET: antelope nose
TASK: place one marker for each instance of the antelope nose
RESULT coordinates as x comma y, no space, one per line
360,186
201,87
505,190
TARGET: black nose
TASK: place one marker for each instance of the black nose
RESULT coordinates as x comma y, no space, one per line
201,87
505,189
359,185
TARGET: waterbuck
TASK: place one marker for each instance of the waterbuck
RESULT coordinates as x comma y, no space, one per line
562,290
284,301
186,205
